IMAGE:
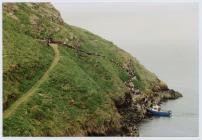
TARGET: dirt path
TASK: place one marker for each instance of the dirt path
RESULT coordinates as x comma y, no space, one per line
24,98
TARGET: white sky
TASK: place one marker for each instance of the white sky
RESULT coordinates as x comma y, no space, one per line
134,21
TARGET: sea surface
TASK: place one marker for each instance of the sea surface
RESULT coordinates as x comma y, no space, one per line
176,63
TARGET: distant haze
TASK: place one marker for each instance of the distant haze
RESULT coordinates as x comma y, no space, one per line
134,21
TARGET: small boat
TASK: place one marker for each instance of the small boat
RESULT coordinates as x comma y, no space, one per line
156,111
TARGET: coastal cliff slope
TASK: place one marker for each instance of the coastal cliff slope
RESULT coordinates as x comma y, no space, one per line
61,80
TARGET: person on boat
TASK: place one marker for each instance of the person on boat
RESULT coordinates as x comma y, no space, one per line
156,107
159,108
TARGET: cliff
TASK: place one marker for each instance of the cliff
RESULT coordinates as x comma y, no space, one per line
61,80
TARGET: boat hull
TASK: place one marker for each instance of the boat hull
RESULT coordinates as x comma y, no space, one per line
159,113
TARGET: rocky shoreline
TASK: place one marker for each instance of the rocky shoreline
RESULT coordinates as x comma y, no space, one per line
134,111
133,108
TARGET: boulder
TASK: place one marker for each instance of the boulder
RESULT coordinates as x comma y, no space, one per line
156,88
134,78
137,91
131,84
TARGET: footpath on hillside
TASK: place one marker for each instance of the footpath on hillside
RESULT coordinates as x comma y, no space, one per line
54,44
24,98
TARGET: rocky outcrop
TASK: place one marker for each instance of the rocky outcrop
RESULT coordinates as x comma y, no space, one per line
133,108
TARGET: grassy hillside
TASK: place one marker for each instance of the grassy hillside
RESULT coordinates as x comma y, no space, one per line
25,60
79,95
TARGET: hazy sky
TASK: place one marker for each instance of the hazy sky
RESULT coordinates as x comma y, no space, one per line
134,21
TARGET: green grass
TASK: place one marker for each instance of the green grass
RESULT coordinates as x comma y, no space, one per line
78,96
24,62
